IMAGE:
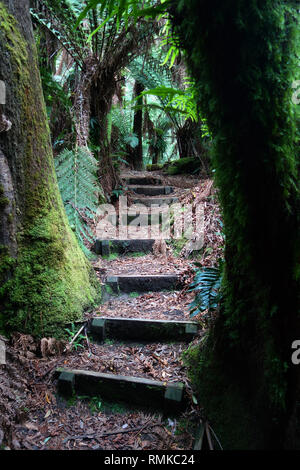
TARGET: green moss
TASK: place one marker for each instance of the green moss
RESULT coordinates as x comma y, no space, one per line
245,95
4,201
178,244
51,283
134,294
226,407
111,256
154,167
184,165
15,43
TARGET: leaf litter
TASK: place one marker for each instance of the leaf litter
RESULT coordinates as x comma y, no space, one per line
34,417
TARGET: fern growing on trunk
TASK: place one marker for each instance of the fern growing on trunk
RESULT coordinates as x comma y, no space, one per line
77,178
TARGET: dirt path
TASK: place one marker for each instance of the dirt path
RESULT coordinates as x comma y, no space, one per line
86,421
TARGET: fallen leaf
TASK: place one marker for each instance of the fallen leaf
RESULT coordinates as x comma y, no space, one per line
48,399
31,426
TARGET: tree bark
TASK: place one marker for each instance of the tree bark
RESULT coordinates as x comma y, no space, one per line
137,152
46,280
102,92
246,379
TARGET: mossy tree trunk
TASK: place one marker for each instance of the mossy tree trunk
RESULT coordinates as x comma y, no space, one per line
241,55
46,280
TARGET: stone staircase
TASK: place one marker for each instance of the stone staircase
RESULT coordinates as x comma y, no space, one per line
169,397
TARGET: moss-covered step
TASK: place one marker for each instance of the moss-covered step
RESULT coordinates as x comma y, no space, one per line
169,397
143,180
148,283
142,330
106,247
157,201
151,190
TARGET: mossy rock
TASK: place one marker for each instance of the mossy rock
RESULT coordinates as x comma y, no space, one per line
184,165
154,167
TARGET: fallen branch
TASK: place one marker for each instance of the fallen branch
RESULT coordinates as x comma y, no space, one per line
105,434
87,340
74,337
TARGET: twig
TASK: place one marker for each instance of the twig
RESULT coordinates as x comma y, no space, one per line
162,361
216,437
105,434
87,339
210,444
77,334
143,427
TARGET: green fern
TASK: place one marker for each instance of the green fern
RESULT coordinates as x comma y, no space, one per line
206,285
77,178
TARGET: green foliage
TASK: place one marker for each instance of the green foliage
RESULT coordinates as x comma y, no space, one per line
59,17
149,72
53,90
122,135
206,286
184,165
123,11
77,178
177,101
134,295
154,167
77,342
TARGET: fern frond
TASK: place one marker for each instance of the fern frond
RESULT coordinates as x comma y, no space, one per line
206,285
77,179
59,18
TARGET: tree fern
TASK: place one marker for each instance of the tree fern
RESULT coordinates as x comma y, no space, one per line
77,178
57,19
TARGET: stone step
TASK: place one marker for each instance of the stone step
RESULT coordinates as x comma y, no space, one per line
133,329
157,201
148,283
151,190
142,180
169,397
106,247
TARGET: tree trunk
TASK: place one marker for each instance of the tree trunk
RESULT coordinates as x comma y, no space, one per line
46,280
246,379
103,90
137,152
185,136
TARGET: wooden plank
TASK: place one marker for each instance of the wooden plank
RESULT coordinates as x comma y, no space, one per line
151,190
170,397
147,283
138,329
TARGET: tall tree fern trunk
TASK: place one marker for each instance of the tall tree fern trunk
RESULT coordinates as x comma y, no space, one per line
46,280
240,53
137,152
103,91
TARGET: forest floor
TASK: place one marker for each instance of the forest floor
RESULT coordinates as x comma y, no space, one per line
33,416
